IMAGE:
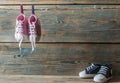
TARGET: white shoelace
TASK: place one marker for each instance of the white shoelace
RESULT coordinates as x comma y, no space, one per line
19,34
32,36
90,67
103,70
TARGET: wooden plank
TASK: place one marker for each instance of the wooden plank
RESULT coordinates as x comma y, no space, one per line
60,7
68,23
47,79
57,2
56,59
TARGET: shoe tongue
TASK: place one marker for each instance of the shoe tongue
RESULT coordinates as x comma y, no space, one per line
104,67
21,17
95,64
92,64
19,21
108,65
32,19
33,23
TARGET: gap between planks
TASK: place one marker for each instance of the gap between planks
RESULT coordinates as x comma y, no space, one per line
48,79
59,7
63,42
59,3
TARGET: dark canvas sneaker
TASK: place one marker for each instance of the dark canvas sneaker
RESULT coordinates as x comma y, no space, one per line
90,71
21,28
34,29
104,74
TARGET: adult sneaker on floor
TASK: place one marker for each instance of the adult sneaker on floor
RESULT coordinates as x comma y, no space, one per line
90,71
104,74
34,29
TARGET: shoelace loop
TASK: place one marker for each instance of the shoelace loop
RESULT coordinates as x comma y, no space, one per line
32,36
90,67
19,33
32,29
19,27
103,70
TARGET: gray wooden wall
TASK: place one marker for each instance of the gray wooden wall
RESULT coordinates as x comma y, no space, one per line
75,33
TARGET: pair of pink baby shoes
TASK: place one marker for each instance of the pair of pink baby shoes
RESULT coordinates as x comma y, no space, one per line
27,28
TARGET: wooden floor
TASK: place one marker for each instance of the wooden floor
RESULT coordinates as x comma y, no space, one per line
48,79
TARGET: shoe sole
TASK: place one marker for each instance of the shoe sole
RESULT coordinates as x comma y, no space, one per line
87,76
103,81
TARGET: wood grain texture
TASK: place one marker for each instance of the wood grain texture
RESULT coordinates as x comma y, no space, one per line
60,2
64,27
48,79
68,23
56,59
